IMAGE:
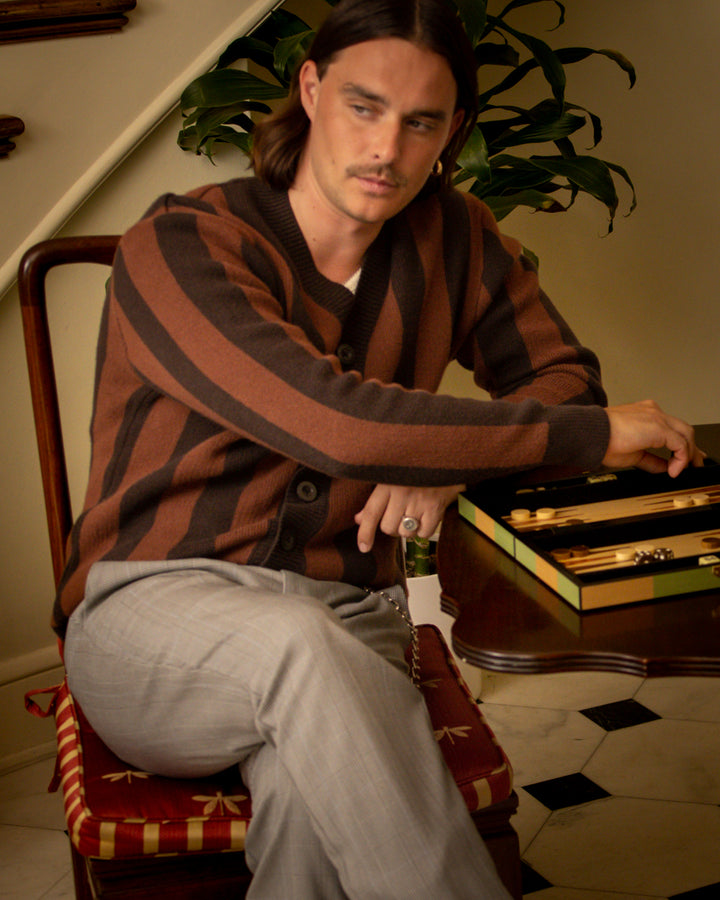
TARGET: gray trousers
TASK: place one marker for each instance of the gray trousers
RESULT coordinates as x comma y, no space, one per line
185,668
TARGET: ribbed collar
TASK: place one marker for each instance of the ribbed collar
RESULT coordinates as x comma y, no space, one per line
277,214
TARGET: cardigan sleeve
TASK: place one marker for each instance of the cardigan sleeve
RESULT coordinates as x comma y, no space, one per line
518,344
209,319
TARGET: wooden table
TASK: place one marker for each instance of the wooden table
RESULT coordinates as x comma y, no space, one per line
508,621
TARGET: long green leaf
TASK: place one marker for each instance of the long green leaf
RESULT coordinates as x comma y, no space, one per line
474,17
589,174
545,121
595,122
566,55
224,113
186,140
208,122
502,206
490,54
508,82
508,182
540,132
278,25
547,108
511,173
516,4
626,178
569,55
239,139
288,53
545,56
247,48
224,87
474,156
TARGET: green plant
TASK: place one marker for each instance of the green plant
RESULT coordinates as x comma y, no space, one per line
217,107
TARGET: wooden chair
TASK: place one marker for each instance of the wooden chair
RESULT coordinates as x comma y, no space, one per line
136,835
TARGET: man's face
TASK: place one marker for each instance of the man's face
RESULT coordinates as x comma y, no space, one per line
380,118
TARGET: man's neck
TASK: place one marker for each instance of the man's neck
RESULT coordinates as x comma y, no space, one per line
337,243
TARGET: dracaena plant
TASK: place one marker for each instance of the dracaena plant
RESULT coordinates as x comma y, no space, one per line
496,164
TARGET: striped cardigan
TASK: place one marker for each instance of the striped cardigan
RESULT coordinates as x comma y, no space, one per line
245,405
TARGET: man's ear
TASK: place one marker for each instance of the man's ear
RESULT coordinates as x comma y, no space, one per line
309,83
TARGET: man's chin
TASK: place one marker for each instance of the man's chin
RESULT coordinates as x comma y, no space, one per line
373,209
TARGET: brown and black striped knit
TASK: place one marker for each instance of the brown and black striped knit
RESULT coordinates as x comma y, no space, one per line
245,405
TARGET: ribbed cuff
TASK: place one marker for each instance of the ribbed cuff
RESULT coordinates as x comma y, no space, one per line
579,436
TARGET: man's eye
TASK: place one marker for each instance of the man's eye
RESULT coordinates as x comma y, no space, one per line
420,125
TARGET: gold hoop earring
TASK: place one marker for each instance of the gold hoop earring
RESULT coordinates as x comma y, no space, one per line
437,168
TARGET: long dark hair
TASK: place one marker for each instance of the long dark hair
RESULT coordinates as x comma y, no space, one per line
279,139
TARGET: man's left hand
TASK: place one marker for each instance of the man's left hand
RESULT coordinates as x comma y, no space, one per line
390,504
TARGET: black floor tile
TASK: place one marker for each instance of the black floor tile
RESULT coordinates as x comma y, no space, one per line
622,714
531,880
711,892
569,790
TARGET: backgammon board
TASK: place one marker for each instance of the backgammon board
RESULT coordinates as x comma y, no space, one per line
607,539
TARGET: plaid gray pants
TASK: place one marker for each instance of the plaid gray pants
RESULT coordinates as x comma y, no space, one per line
187,667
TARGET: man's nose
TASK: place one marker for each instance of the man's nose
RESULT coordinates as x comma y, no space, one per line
387,141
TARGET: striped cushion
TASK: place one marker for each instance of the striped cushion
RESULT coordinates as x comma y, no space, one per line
115,811
478,763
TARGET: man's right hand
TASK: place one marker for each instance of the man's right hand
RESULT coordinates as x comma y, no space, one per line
637,428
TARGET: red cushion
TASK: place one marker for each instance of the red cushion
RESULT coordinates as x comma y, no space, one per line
114,811
479,765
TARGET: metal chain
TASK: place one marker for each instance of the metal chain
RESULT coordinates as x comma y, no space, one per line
414,645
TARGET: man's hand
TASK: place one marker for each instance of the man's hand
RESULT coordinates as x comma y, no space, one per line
637,428
389,504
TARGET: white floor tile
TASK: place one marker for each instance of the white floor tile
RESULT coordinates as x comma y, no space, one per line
529,819
24,798
63,890
543,743
560,690
32,861
682,698
662,760
637,847
28,779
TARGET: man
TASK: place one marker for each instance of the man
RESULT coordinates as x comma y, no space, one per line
265,426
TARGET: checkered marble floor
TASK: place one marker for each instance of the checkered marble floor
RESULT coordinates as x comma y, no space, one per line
618,778
34,855
619,783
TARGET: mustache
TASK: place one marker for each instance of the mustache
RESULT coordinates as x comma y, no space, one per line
386,173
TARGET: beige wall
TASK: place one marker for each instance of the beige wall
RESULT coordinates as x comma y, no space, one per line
85,101
26,643
644,297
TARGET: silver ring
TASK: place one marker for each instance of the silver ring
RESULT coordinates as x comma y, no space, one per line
410,524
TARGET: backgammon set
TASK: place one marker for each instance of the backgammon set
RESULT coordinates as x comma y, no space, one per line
611,538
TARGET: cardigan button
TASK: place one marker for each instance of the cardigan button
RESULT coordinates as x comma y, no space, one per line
287,540
307,491
345,354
